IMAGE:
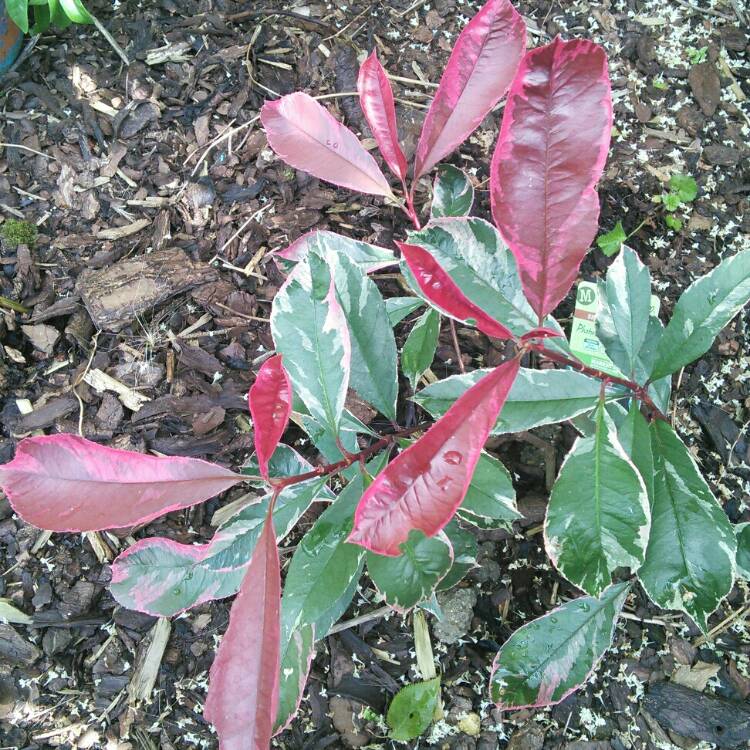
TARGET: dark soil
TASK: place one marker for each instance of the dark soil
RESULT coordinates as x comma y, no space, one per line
114,163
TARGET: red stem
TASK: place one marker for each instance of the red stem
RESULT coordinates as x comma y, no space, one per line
348,460
640,392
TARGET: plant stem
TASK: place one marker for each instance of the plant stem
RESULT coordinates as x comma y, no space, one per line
349,459
640,392
11,305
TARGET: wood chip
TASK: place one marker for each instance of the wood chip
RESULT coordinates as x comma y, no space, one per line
148,661
117,233
101,382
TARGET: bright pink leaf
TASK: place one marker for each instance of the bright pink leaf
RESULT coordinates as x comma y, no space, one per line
376,100
243,687
68,483
270,401
479,72
305,135
549,157
424,485
438,287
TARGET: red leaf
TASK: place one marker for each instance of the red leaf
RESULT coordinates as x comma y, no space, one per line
424,485
376,100
243,688
67,483
438,287
549,157
270,401
305,135
478,73
541,333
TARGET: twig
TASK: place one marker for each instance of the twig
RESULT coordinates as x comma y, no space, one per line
26,148
351,458
722,626
112,42
11,305
27,50
705,11
245,14
79,380
412,7
456,347
374,615
415,81
241,314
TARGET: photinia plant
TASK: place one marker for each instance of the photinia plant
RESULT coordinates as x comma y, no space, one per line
646,516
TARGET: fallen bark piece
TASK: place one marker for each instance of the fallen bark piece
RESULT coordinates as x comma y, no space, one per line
114,296
699,716
46,415
14,649
43,337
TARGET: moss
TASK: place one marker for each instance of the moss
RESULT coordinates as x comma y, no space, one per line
15,232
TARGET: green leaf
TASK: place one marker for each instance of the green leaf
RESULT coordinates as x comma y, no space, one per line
671,202
742,534
661,389
76,11
234,541
414,575
544,661
297,652
704,308
310,331
537,397
9,614
412,709
326,442
285,462
465,551
57,15
452,194
399,307
367,257
635,438
319,586
684,186
690,556
472,252
324,571
611,242
598,514
490,501
42,19
374,364
420,345
18,10
625,302
673,222
164,578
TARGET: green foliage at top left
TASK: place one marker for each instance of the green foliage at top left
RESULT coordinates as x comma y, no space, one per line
36,16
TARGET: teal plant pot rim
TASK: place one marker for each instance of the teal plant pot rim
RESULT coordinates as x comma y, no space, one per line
11,40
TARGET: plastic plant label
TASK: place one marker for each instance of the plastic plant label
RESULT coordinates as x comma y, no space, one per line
584,342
